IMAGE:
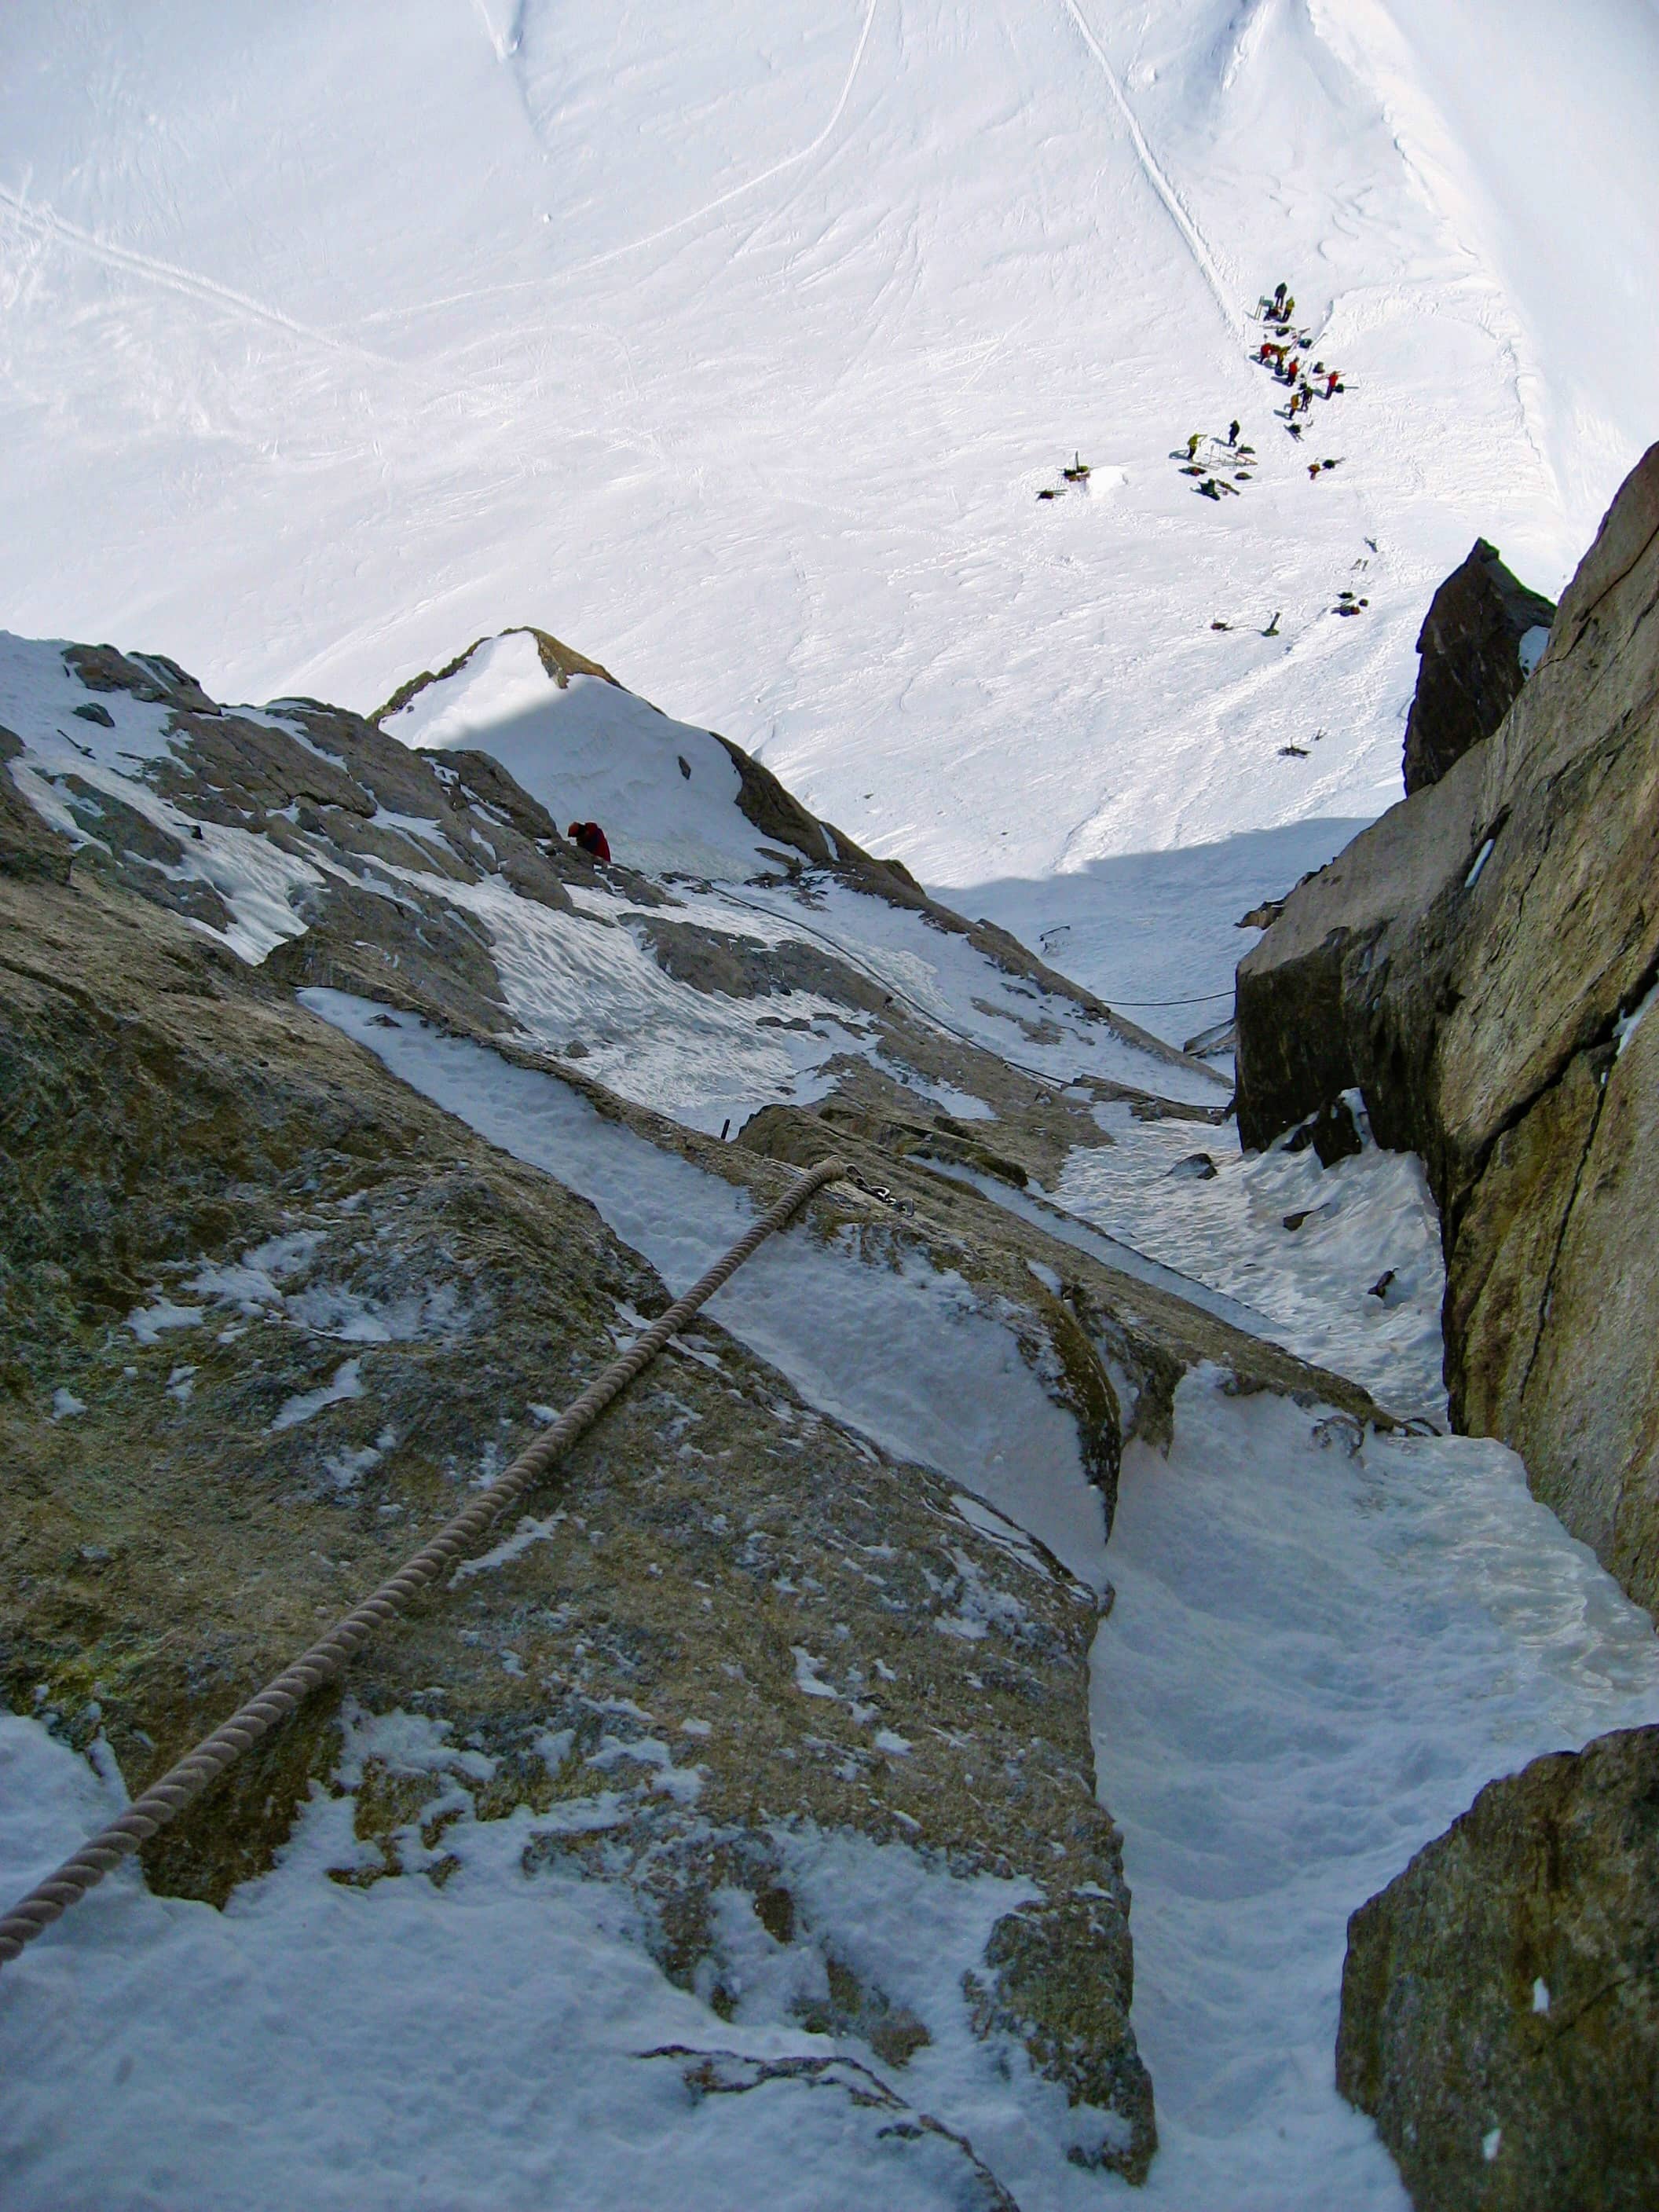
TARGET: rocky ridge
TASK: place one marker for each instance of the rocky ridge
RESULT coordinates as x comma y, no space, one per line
1480,964
268,1312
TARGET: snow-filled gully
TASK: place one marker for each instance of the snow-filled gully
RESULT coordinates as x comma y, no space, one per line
904,1359
1322,1646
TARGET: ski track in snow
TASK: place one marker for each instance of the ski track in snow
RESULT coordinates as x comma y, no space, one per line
40,221
686,222
751,184
1195,242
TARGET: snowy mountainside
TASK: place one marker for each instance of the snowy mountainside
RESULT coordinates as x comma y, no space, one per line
1059,1510
664,976
758,334
846,1560
683,806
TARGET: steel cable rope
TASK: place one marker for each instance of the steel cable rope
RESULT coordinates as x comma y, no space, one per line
183,1782
1204,998
942,1022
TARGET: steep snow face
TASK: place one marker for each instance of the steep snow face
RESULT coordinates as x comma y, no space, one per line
736,346
666,794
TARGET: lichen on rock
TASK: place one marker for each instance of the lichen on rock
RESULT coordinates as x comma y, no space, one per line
1500,2000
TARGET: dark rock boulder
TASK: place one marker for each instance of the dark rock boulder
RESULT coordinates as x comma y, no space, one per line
1480,962
1500,2001
1472,668
30,849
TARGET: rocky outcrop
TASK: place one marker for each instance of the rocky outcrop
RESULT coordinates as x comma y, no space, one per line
1500,2002
1471,647
30,850
265,1314
1479,963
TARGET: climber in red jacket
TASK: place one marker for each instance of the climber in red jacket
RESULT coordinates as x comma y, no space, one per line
591,839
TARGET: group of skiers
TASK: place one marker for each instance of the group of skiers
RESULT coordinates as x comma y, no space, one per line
1284,352
1290,371
1286,365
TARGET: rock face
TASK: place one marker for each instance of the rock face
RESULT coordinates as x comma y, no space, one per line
264,1314
1500,2002
1480,962
1471,667
28,849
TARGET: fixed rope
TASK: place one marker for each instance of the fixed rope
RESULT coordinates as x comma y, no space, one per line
327,1659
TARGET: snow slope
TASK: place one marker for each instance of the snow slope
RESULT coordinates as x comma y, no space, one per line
735,348
667,795
590,750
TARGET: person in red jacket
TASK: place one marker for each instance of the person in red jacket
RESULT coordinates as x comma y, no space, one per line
591,839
